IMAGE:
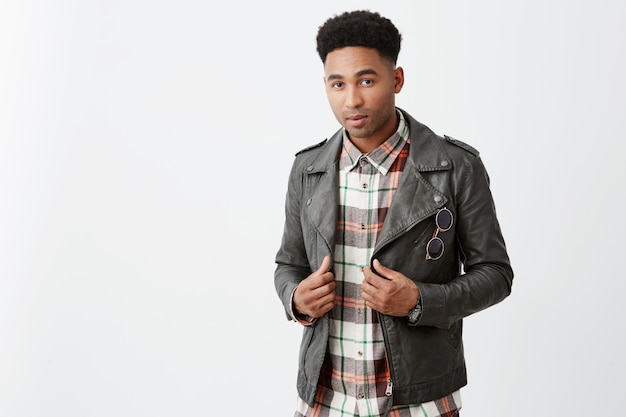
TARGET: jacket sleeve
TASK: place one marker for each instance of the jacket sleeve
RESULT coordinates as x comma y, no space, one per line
292,264
488,275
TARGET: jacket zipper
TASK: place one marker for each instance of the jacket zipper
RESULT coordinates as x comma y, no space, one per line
389,389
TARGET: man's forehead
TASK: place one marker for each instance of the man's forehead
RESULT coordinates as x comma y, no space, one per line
352,61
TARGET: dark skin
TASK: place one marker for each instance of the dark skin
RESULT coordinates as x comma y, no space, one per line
315,296
389,292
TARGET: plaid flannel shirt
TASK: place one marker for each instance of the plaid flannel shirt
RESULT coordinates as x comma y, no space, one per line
355,379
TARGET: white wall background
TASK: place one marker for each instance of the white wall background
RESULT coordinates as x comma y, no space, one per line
144,153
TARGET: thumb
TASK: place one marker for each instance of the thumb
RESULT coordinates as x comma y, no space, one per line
381,269
325,265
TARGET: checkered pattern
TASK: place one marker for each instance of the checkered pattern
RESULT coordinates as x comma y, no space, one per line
355,378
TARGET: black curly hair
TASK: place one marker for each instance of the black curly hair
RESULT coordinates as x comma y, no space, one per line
359,28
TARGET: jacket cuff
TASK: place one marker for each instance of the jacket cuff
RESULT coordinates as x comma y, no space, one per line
433,307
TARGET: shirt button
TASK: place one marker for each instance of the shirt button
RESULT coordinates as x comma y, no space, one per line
360,311
361,396
359,353
437,198
365,186
444,163
309,168
362,227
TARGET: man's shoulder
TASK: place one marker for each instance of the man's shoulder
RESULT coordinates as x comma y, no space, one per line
311,147
326,150
460,144
420,132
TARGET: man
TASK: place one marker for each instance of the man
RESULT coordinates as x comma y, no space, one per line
390,240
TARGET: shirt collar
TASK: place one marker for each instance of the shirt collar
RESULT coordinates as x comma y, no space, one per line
382,157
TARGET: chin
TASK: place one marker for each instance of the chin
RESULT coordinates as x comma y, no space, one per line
358,133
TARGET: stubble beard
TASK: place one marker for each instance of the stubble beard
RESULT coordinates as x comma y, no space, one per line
375,121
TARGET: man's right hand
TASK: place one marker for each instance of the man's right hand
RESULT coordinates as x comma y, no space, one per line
315,295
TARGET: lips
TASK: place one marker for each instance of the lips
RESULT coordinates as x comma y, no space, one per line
356,120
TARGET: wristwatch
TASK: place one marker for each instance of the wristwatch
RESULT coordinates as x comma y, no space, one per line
415,313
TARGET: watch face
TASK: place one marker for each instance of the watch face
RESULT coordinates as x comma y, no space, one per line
415,314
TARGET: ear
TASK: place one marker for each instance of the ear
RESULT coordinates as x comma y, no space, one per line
398,76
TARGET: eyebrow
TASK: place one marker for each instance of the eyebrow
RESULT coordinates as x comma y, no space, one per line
361,73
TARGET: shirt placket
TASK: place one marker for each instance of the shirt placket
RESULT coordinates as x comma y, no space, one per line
366,218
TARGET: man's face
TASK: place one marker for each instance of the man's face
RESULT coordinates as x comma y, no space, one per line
361,88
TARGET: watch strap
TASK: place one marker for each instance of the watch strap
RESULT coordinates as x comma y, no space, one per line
416,312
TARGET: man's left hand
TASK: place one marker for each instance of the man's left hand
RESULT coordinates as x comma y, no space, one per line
389,292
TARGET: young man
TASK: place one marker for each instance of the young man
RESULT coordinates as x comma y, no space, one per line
390,240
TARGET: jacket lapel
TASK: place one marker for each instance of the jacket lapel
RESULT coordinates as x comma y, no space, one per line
416,199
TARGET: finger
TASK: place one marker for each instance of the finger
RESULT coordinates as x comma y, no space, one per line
325,304
326,289
368,274
325,266
368,290
371,278
382,270
326,308
367,297
364,292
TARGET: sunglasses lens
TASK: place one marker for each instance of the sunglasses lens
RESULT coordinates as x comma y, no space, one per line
434,249
443,219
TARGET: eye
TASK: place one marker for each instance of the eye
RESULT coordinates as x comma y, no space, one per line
367,82
336,84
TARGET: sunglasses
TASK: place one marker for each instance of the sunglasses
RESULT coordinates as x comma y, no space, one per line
434,247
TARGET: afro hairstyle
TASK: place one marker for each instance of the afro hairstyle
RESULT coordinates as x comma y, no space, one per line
359,28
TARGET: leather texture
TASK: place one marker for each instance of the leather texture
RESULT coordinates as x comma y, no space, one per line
426,361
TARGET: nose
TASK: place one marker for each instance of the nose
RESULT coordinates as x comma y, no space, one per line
354,99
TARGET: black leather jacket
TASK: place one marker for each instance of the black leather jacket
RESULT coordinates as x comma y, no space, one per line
426,361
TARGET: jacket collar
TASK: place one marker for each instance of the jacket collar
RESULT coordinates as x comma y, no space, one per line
415,200
425,153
